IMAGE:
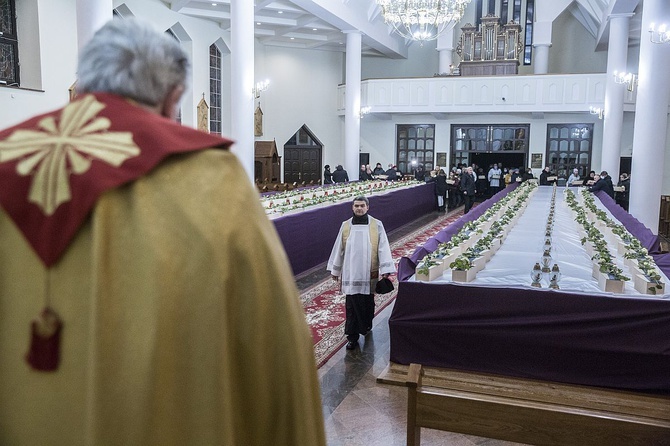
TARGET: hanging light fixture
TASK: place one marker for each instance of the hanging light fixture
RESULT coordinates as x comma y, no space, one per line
422,20
660,34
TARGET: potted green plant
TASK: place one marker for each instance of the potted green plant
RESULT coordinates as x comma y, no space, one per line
428,269
648,280
461,269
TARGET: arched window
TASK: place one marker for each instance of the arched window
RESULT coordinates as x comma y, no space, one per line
9,46
214,90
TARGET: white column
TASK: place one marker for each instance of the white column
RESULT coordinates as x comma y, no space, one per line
242,82
352,113
541,58
541,45
445,49
617,56
651,119
91,15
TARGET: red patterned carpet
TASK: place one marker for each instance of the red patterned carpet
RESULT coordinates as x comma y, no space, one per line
324,304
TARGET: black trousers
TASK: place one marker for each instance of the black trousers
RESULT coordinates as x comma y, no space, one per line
469,200
360,311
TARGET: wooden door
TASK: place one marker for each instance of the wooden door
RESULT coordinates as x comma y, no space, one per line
302,164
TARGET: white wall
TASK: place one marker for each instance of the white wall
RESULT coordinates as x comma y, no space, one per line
303,91
56,66
573,48
422,61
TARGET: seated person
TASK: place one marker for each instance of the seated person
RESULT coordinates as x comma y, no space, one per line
591,180
604,183
574,176
392,174
379,170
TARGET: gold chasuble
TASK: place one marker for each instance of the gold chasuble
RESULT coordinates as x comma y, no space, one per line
181,323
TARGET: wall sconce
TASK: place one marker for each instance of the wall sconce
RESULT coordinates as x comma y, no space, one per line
597,111
365,110
629,79
260,86
660,35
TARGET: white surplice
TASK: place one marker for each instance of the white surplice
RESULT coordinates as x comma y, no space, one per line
353,262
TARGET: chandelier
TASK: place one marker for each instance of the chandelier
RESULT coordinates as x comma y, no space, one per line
422,20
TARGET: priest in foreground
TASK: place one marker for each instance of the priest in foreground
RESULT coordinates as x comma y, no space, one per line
360,256
145,298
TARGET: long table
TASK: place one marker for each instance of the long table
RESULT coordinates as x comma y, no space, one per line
308,236
592,339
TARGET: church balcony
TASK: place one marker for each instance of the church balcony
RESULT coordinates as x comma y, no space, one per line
441,95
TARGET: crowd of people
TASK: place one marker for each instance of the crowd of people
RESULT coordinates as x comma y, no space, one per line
454,189
366,173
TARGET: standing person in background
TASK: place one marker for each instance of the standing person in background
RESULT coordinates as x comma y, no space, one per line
544,177
327,175
420,174
340,175
507,176
360,256
468,186
441,190
168,299
494,177
622,196
527,175
515,177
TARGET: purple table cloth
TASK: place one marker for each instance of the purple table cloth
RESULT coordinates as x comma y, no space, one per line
308,236
597,340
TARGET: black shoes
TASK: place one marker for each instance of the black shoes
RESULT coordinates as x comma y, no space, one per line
352,345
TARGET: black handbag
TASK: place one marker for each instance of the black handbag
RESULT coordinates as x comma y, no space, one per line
384,286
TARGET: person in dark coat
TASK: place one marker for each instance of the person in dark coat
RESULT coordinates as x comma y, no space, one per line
363,175
441,190
340,175
327,175
604,183
379,170
527,175
420,174
544,177
622,197
453,193
391,174
469,187
514,177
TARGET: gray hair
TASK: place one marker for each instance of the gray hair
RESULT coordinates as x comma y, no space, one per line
363,198
129,57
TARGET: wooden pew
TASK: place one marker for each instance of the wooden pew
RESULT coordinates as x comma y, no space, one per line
533,412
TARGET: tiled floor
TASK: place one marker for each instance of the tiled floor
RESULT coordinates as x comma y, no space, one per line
357,410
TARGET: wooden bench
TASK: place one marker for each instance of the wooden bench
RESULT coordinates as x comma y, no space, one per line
530,411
